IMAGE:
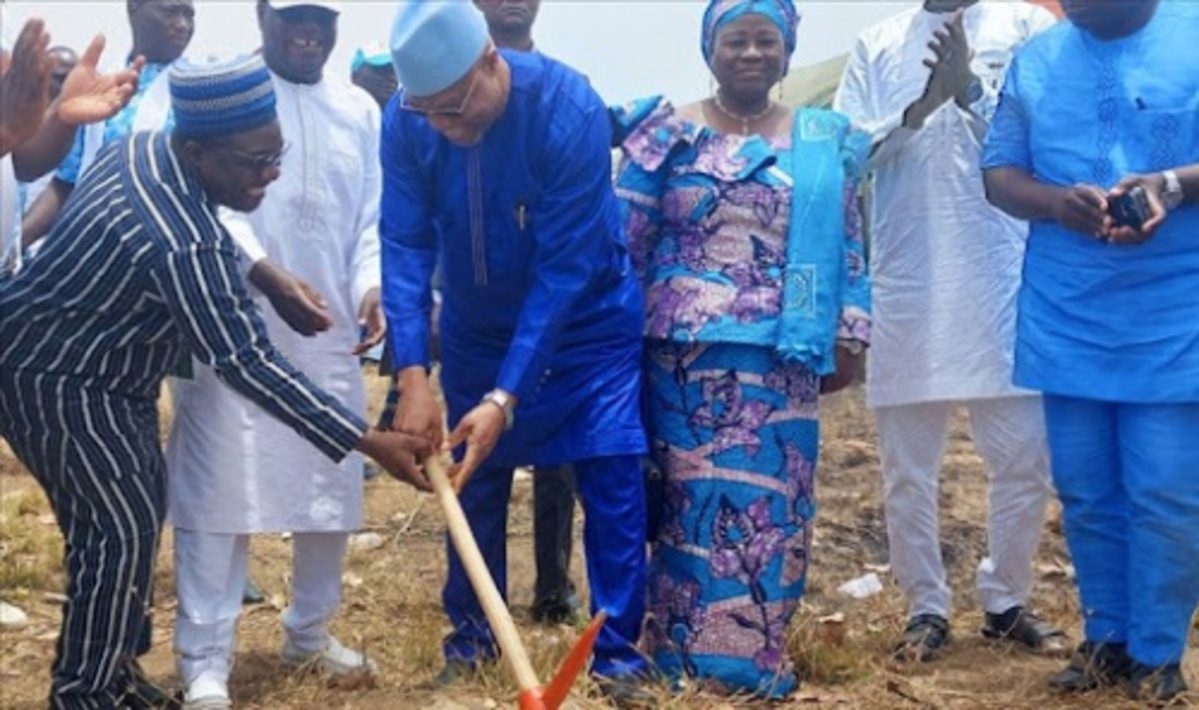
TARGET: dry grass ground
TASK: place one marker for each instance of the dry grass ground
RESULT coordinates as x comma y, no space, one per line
392,604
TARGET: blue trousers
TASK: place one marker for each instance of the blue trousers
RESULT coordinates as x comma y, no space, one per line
1128,478
612,492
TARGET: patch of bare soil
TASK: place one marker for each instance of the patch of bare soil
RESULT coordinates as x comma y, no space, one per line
392,601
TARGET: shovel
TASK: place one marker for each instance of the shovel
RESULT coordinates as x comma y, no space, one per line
532,695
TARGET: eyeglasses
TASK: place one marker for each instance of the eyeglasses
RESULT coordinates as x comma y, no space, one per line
256,161
470,90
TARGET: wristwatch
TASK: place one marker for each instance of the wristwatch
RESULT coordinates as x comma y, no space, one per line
506,403
1172,192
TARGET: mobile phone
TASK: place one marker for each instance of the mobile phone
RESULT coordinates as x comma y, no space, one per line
1131,209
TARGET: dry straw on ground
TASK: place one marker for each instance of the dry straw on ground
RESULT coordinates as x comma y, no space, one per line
392,602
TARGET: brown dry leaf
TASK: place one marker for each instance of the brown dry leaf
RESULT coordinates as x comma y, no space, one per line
832,629
358,680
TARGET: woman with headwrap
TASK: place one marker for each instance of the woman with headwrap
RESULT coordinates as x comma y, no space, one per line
743,225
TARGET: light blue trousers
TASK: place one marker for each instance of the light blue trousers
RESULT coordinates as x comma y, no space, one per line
1128,478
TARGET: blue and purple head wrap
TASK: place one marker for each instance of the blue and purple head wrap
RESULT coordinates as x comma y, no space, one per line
721,12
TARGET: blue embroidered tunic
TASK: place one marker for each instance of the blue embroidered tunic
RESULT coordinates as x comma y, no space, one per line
539,294
1107,322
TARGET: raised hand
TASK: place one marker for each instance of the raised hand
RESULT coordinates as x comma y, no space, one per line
25,87
951,74
370,315
88,96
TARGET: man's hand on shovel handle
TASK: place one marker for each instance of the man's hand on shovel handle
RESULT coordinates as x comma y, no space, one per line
480,430
399,454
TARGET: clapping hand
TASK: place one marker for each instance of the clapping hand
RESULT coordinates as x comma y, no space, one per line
24,86
951,74
88,96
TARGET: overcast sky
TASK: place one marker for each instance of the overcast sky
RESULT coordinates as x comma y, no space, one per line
629,48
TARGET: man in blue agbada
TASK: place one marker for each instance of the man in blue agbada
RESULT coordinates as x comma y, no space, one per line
1109,320
496,168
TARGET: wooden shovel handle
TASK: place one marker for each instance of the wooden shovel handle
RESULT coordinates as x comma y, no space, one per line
480,578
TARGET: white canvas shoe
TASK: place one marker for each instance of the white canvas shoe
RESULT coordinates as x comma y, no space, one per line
334,659
207,693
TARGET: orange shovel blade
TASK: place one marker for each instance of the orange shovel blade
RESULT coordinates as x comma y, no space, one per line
531,700
555,693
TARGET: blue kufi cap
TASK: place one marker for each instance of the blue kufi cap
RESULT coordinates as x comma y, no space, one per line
434,43
221,98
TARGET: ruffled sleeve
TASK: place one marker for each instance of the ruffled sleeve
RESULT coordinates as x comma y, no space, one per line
650,135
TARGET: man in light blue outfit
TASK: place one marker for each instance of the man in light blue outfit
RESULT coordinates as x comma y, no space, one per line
1109,318
496,168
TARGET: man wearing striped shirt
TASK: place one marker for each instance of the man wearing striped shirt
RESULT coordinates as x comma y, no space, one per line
137,272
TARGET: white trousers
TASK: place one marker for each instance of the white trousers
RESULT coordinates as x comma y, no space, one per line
1009,434
210,576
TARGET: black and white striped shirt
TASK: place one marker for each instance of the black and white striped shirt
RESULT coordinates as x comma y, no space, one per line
136,269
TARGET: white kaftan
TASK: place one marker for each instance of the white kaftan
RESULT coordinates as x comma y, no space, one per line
234,468
945,264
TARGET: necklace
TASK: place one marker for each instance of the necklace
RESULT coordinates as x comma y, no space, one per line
746,121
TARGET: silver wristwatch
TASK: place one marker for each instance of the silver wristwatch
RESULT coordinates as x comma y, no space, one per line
1172,192
506,403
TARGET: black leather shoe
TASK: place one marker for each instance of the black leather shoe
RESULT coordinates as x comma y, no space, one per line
1021,626
557,610
1156,685
1094,665
925,638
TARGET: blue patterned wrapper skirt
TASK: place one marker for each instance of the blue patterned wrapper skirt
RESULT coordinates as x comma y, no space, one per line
735,436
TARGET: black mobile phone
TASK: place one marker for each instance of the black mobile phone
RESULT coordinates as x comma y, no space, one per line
1131,209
